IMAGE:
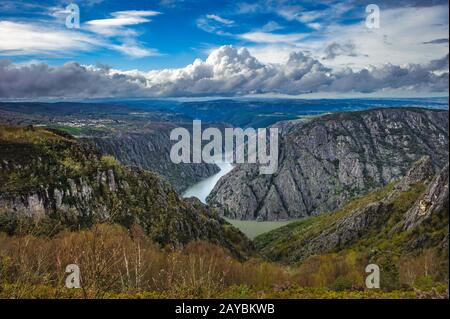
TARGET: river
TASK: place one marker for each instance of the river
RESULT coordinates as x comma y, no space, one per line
202,189
250,228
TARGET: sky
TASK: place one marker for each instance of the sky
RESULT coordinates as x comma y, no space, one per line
170,48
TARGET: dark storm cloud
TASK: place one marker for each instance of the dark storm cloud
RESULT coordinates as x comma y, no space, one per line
227,71
414,77
71,80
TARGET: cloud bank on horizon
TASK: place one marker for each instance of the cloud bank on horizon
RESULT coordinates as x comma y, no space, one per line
284,47
227,71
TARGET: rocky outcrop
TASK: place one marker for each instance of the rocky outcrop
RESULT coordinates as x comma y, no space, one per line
433,201
50,182
327,161
151,150
398,214
361,221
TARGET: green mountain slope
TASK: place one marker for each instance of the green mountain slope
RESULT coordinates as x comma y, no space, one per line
50,181
403,217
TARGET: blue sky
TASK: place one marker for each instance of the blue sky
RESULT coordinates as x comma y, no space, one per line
135,37
180,31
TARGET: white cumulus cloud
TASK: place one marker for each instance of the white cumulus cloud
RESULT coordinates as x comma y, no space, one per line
227,71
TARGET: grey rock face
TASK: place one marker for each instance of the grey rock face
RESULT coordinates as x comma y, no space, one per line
420,171
71,197
434,200
151,151
329,160
359,222
345,231
341,231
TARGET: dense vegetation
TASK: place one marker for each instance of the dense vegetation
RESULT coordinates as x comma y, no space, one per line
285,243
382,228
50,182
63,203
116,263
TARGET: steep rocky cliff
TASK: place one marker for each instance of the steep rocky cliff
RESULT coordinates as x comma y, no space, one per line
150,149
326,161
406,216
50,181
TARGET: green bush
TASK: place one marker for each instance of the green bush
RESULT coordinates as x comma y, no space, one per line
341,283
389,276
424,283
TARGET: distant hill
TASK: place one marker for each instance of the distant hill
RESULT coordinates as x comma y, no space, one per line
136,135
